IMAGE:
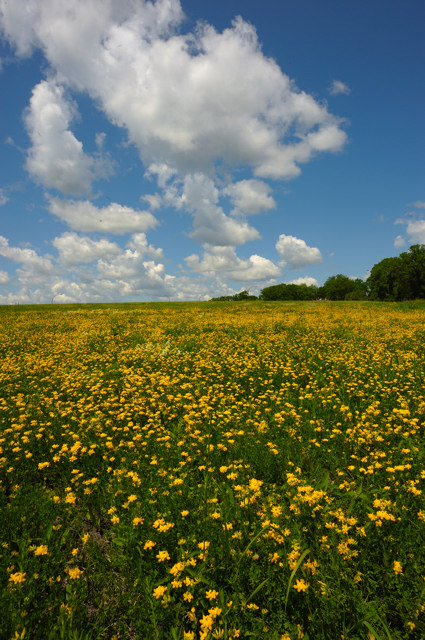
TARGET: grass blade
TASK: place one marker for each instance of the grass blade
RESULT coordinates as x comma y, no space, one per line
301,558
250,545
386,629
256,590
375,634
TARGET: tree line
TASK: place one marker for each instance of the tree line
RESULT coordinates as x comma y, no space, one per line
400,278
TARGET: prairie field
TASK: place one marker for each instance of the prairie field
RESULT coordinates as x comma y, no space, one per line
190,471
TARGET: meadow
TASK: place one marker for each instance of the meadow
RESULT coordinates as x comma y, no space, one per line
212,470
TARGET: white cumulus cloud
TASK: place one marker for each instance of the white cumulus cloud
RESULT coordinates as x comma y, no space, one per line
399,242
250,196
186,100
337,87
74,249
4,277
95,270
83,215
211,225
414,229
56,158
26,257
224,260
308,280
153,199
139,243
296,253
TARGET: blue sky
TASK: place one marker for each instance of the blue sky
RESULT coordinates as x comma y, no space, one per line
178,151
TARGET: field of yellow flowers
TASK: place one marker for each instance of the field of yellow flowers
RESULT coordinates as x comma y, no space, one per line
212,470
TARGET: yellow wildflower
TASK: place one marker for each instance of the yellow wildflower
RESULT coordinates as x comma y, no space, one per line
397,567
17,577
74,573
41,550
301,585
149,544
159,591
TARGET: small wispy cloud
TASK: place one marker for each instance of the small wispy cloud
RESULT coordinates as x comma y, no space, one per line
414,223
308,280
3,197
399,242
337,87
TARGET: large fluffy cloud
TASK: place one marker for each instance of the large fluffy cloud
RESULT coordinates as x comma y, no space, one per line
185,99
83,215
199,195
224,260
56,158
74,249
250,196
26,257
296,253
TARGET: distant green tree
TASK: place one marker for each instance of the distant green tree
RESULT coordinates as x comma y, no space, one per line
383,278
307,292
399,278
360,291
413,271
338,287
290,292
242,295
274,292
